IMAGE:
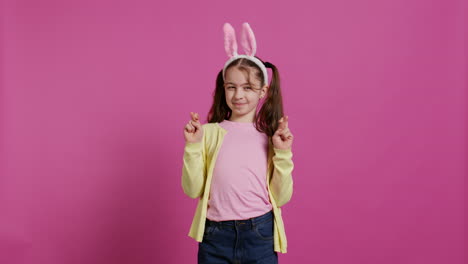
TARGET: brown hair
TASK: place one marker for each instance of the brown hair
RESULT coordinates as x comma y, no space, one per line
266,121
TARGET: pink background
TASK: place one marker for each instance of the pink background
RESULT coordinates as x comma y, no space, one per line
95,95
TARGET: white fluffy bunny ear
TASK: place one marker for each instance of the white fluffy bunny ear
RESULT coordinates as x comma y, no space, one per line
248,40
230,43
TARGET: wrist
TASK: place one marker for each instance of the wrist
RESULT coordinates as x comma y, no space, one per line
192,142
281,149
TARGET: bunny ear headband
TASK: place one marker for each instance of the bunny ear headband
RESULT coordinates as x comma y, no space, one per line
248,43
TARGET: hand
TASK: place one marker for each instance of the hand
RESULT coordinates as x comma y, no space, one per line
193,131
283,139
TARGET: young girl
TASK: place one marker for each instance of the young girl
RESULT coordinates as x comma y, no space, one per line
239,163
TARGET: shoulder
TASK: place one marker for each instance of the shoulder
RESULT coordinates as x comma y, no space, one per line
211,132
210,126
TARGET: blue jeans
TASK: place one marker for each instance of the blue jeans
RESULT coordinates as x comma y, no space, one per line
238,241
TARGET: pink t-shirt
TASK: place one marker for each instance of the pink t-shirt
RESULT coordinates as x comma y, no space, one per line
238,188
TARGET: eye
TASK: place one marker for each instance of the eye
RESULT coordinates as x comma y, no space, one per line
247,87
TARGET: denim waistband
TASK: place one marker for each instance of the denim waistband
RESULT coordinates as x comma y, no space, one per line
251,221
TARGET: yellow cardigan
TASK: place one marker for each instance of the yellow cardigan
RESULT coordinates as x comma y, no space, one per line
199,160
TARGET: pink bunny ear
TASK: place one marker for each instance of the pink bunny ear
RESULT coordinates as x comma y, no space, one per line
230,43
248,40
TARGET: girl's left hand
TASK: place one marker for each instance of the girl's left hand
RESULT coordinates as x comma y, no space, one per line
282,139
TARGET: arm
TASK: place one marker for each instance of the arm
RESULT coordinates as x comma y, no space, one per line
281,183
193,171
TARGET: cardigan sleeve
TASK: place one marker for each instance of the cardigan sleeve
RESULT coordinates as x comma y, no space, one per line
194,169
281,182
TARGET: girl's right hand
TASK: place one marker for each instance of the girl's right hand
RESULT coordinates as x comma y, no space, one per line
193,130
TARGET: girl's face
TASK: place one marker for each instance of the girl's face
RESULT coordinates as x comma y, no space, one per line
241,97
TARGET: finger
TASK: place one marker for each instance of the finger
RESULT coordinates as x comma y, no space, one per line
288,135
283,123
195,116
280,123
279,132
285,130
286,121
195,124
190,126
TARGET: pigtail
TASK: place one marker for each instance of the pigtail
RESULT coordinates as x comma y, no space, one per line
219,109
272,109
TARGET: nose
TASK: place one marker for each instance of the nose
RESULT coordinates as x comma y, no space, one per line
239,94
